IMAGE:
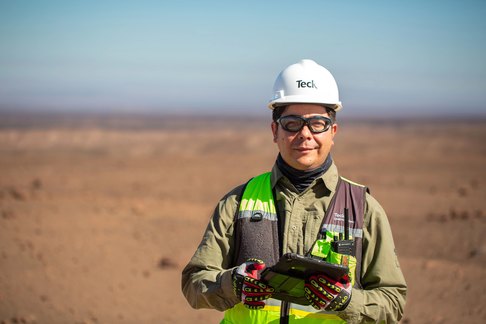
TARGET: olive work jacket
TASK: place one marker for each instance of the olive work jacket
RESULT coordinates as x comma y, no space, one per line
207,282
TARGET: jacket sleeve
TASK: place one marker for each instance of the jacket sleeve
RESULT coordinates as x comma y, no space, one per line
206,279
383,297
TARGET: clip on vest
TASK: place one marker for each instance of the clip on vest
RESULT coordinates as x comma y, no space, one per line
256,217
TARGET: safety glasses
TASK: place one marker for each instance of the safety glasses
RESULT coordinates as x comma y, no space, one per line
316,124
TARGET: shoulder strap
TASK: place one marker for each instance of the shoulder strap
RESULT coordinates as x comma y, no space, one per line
235,223
255,222
350,196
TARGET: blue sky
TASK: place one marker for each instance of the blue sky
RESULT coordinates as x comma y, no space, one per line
391,58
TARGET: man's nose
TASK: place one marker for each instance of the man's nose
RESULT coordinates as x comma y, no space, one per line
305,132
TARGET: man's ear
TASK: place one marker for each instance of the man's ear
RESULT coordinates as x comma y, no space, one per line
334,128
274,131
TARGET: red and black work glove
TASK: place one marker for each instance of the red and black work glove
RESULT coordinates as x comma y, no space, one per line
248,287
325,293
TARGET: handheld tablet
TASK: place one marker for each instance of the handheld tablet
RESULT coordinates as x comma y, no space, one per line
287,277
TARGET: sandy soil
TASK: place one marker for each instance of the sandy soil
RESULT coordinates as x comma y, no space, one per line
99,216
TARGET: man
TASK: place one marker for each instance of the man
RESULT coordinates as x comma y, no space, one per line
302,206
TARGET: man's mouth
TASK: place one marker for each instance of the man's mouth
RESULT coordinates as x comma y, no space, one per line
303,149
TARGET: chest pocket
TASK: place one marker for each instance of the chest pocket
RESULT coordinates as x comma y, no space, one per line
310,228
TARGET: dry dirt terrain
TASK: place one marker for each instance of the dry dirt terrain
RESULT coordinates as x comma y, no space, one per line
98,216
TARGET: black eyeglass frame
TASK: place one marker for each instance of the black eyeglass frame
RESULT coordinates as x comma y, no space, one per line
306,122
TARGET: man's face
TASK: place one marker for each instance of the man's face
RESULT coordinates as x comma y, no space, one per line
304,150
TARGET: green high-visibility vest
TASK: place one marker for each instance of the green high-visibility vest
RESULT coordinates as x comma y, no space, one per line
256,236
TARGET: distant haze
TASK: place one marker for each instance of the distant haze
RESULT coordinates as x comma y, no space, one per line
390,58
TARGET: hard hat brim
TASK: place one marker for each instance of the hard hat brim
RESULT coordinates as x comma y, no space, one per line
336,106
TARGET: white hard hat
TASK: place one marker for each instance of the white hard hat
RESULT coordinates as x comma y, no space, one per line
305,82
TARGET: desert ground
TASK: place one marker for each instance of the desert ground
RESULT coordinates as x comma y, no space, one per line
99,214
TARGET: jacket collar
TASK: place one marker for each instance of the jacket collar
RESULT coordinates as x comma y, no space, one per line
329,178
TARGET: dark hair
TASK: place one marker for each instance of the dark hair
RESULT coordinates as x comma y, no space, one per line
279,110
